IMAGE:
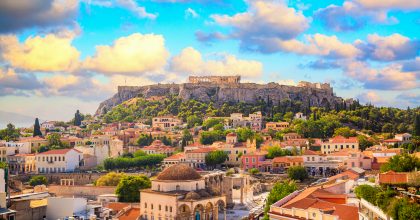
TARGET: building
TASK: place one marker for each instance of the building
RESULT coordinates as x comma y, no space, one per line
21,163
291,136
197,158
276,126
253,121
300,116
313,203
339,143
281,164
179,192
74,208
11,148
319,165
5,213
101,147
215,79
34,142
166,122
235,149
256,160
404,138
174,159
157,147
56,161
400,178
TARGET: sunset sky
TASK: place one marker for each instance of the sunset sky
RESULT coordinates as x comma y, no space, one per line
57,56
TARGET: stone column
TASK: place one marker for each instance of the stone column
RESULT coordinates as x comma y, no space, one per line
224,213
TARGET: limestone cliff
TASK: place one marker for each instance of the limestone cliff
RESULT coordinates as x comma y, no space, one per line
221,93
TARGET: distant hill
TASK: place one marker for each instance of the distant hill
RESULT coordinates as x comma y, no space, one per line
18,120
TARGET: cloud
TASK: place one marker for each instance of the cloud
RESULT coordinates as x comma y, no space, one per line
322,64
411,97
53,52
189,12
351,16
12,83
134,54
369,97
263,20
390,4
317,44
411,65
190,61
16,15
209,37
389,48
138,10
390,77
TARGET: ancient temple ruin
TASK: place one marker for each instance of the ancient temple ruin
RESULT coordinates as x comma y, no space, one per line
214,79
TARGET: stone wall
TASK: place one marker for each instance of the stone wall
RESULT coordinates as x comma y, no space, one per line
231,92
90,192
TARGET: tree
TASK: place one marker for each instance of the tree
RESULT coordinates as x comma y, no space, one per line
78,118
144,140
209,123
401,163
208,137
38,180
129,186
110,179
364,142
279,191
244,134
37,128
186,137
416,131
193,120
253,171
402,209
367,192
139,153
276,151
9,133
54,140
216,157
297,173
345,132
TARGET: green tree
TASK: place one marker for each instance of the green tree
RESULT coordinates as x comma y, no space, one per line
110,179
208,137
297,173
253,171
186,137
403,209
129,186
54,140
193,120
276,151
215,157
139,153
210,122
416,131
37,128
367,192
144,140
78,118
279,191
9,133
401,163
38,180
364,142
345,132
244,134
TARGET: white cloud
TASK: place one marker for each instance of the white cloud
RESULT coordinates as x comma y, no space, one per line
390,4
134,7
134,54
189,12
53,52
190,61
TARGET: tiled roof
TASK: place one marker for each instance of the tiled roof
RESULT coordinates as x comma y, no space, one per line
117,206
130,214
310,152
392,177
176,156
203,150
287,159
59,151
341,139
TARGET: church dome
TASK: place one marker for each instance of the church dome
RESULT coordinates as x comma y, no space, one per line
192,196
179,172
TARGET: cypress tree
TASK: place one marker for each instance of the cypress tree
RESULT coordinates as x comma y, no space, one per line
37,128
77,118
417,125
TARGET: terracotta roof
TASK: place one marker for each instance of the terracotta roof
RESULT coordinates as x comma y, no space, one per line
117,206
231,134
179,172
175,156
36,138
203,150
344,152
23,155
130,214
392,140
341,139
310,152
287,159
392,177
59,151
348,173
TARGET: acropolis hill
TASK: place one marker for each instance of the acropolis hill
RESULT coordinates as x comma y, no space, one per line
222,89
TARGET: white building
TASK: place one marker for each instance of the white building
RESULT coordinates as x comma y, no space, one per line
63,208
101,147
404,138
339,143
166,122
300,115
12,148
55,161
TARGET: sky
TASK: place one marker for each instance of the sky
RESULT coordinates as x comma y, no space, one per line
57,56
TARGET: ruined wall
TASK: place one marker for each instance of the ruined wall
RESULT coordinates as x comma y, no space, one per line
90,192
221,93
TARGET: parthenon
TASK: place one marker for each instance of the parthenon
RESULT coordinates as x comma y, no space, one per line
215,79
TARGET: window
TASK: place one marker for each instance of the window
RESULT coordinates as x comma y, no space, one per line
170,208
151,206
177,187
166,208
253,160
158,187
145,205
196,186
246,159
160,207
313,158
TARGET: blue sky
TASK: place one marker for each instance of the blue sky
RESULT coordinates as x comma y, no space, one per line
58,56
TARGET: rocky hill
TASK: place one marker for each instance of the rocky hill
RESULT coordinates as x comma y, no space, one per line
314,94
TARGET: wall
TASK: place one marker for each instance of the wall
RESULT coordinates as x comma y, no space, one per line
90,192
61,207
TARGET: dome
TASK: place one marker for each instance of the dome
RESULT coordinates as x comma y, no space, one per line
192,196
179,172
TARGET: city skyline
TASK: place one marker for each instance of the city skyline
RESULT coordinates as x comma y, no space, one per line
59,56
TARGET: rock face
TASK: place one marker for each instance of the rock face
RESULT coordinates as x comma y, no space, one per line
222,93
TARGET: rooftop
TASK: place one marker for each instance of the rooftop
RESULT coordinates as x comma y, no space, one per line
179,172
